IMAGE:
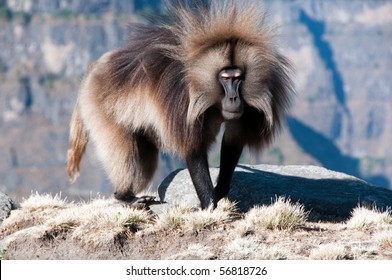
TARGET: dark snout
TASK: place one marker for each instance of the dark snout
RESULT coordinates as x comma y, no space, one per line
232,104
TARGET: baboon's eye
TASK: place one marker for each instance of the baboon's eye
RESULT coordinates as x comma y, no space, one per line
225,76
237,75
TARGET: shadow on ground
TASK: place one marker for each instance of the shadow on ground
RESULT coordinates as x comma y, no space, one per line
328,199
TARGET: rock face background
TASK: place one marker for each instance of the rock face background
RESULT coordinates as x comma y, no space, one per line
341,117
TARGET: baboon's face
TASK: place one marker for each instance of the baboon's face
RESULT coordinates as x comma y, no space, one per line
232,102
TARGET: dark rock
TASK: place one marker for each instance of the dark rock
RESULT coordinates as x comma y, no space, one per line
328,195
6,205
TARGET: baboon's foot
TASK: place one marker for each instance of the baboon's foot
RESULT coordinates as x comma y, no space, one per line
142,202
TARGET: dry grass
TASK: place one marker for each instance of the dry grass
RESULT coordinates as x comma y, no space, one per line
93,224
170,219
39,209
329,252
250,248
204,219
384,239
194,251
281,215
100,221
194,219
369,219
104,228
364,252
37,201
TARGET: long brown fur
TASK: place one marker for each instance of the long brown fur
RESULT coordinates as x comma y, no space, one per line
160,91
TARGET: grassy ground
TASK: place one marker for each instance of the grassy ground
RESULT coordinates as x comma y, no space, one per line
48,227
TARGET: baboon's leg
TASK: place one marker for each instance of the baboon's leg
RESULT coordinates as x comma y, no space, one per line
141,161
129,159
230,154
197,163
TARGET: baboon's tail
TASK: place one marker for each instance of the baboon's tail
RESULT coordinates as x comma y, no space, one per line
78,138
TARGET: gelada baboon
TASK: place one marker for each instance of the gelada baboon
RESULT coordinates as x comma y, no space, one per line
172,86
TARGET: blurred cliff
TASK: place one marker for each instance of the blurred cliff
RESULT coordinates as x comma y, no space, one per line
341,117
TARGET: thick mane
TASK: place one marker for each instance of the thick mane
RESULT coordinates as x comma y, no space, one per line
206,26
147,60
141,60
185,33
162,55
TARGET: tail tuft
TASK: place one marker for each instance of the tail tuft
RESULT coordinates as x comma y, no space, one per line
78,139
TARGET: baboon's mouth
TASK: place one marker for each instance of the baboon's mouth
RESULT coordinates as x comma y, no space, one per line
231,115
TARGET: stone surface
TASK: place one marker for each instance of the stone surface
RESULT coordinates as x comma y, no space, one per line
327,194
6,205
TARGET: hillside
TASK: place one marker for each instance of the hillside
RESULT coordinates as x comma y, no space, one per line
341,118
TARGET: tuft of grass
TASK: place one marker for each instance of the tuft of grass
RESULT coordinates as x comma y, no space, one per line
173,218
226,205
193,219
366,219
35,210
363,252
133,219
100,226
281,215
384,239
329,252
104,213
272,253
203,219
95,223
241,248
68,218
250,248
37,201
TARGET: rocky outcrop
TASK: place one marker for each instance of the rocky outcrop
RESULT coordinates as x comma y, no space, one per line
329,195
6,205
